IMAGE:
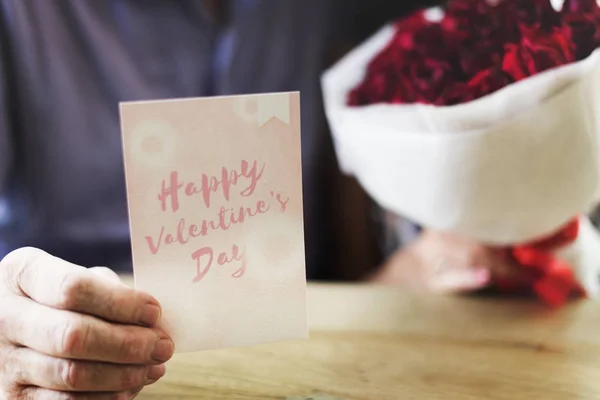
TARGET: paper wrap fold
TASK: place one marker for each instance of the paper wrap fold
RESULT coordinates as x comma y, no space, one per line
504,169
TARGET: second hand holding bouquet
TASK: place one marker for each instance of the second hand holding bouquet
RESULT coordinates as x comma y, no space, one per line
482,120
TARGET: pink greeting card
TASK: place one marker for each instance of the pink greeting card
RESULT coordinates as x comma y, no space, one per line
215,205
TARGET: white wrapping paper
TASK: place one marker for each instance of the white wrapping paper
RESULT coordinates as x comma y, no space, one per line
505,169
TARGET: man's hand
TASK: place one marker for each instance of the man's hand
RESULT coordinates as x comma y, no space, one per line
67,332
439,262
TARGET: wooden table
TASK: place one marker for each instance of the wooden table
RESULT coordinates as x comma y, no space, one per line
373,343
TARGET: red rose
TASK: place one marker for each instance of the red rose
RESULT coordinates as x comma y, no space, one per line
463,9
406,29
477,19
484,29
537,52
483,83
456,19
387,60
428,77
415,82
377,85
584,29
578,6
538,13
372,91
403,91
452,95
473,61
373,87
434,42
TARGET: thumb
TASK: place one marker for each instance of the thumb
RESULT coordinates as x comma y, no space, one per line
460,280
107,273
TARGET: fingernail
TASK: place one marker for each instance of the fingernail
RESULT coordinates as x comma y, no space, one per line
156,372
150,315
163,350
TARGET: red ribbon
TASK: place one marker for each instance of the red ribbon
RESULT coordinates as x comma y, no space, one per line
553,280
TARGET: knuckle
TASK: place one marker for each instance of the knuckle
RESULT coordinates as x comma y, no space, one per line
11,367
59,396
107,273
34,393
72,288
71,374
131,347
132,377
20,256
65,396
19,392
16,265
74,336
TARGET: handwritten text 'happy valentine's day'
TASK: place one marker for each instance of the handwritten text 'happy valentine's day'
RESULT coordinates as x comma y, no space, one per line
231,182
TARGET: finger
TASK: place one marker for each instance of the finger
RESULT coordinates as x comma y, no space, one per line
59,284
66,334
35,369
460,279
503,266
33,393
106,273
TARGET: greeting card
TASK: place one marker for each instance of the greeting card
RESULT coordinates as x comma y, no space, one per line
215,205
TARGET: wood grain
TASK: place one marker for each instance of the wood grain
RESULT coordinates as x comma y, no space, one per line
373,343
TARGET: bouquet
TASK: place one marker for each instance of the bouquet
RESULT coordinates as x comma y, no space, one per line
482,118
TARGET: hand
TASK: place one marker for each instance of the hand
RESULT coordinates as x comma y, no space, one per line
67,332
440,262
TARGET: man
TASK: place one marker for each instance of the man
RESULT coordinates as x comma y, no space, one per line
71,332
